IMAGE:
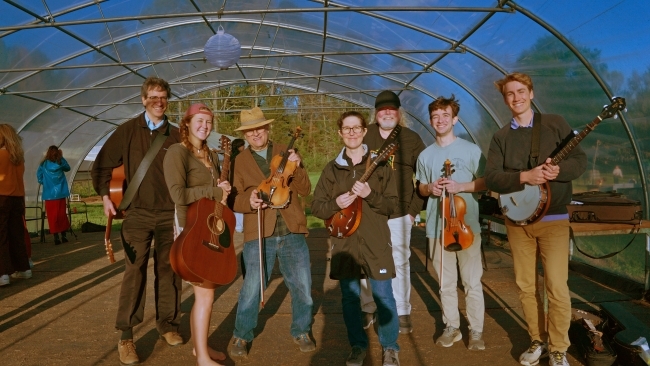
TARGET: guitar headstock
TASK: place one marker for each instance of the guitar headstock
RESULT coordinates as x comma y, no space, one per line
609,111
225,144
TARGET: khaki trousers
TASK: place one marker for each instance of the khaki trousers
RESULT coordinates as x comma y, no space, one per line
552,240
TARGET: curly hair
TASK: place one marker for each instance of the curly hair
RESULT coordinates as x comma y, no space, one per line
53,154
12,142
443,103
184,130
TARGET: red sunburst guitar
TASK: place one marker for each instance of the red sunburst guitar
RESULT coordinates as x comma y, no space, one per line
204,252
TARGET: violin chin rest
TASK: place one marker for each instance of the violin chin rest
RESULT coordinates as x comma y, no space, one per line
454,247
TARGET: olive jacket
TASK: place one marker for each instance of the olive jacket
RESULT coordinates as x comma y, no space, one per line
368,249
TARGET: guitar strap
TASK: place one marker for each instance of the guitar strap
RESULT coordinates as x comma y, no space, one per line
392,137
134,184
534,148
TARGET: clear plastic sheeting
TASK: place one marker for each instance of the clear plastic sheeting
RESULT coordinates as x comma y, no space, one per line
70,71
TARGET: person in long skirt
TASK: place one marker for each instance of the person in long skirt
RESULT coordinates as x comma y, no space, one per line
51,174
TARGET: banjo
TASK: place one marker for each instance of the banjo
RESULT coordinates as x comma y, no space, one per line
529,205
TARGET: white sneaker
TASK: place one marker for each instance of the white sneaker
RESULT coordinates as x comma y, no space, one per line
476,342
558,358
25,274
449,336
4,280
537,350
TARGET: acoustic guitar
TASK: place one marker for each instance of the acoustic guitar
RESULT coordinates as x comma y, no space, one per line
116,189
346,221
204,252
530,204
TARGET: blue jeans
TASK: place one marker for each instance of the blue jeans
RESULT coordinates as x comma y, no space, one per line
293,254
382,292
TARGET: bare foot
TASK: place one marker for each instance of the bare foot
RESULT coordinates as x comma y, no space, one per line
214,354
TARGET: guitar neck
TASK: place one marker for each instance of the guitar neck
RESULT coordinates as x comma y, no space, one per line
575,141
225,168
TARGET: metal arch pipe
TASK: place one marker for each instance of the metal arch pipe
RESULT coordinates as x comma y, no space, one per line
603,86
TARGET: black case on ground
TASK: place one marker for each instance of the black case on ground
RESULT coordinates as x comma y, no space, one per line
605,207
580,338
626,329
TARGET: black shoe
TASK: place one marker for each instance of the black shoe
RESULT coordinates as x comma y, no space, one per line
368,319
57,241
356,357
238,348
405,326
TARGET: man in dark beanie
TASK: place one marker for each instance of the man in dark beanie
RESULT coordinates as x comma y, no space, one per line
388,115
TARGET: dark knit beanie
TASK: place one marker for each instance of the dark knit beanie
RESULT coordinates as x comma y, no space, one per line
387,99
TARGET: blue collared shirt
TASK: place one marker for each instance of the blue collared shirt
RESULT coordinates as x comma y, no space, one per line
514,125
150,123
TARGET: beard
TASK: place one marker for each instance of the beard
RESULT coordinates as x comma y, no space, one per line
387,124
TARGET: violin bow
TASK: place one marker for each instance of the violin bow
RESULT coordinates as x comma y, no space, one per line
261,244
442,234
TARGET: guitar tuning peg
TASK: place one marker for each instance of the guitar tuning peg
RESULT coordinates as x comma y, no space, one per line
615,116
625,110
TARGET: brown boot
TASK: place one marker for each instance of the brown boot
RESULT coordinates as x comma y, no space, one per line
126,349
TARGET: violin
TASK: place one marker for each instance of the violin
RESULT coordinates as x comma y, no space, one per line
455,234
274,191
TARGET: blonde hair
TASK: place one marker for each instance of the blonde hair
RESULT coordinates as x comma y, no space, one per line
12,142
404,120
515,76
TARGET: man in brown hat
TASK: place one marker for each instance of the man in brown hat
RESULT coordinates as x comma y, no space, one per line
284,234
388,115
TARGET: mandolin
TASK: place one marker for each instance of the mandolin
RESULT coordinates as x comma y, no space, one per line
116,188
530,204
204,252
346,221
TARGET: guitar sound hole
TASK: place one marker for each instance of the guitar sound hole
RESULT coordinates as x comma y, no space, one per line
215,224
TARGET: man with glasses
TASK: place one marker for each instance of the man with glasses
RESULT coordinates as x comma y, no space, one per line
284,232
148,218
388,115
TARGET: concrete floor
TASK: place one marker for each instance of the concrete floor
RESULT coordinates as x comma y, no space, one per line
65,314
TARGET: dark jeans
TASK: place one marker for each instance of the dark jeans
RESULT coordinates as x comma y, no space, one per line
139,228
13,252
293,255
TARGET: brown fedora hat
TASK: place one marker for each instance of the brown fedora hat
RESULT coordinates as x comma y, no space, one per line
252,118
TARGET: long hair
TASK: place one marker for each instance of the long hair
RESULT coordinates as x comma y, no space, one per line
52,155
12,142
404,120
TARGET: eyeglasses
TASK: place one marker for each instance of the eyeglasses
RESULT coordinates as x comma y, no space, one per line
255,131
348,130
157,99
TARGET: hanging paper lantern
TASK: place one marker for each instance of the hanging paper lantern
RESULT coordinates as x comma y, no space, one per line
222,50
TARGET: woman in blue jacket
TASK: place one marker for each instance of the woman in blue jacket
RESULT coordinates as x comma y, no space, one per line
51,174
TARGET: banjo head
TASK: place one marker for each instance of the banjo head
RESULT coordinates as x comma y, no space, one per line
521,206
